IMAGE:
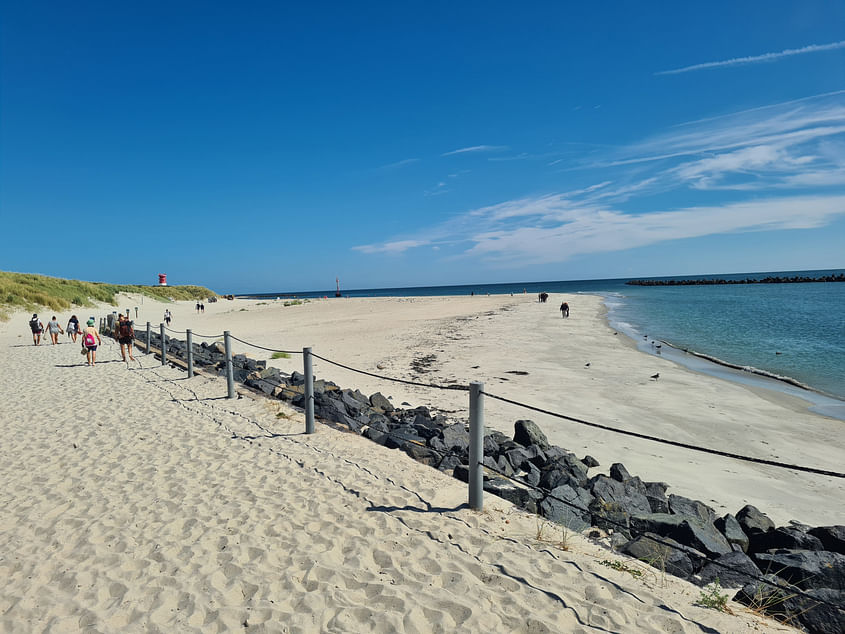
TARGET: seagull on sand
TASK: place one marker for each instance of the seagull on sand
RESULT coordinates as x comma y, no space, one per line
655,376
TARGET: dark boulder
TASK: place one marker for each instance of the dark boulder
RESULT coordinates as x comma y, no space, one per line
831,537
730,528
493,441
767,595
398,436
689,531
523,497
452,439
655,493
552,478
619,473
527,432
753,521
380,402
679,505
567,506
817,617
448,464
736,570
499,465
783,537
610,517
520,457
627,496
590,462
422,454
673,558
805,568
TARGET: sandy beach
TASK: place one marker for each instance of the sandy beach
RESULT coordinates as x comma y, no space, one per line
137,500
524,351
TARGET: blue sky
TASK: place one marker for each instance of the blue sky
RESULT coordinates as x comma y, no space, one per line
274,147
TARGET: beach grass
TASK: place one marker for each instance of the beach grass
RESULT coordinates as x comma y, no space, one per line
32,292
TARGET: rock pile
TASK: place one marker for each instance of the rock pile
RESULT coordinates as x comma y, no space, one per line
675,534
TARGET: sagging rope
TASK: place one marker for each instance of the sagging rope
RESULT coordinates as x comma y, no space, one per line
673,443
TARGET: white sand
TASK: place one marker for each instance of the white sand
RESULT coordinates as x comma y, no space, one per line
136,500
483,338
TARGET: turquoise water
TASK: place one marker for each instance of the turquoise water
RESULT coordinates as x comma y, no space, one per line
746,325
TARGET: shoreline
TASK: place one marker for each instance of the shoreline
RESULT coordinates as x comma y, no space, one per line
773,386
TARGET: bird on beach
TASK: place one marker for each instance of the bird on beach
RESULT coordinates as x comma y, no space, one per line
655,376
587,365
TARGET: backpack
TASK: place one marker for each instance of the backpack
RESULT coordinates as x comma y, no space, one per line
125,329
34,325
90,340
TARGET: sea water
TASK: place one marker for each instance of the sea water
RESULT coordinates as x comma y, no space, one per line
792,330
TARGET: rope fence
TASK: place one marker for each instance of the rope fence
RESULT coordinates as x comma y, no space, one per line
476,453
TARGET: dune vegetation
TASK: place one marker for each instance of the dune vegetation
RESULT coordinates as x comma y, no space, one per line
32,292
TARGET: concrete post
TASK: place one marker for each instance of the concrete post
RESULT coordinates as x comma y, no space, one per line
476,445
309,391
230,376
163,345
149,337
190,353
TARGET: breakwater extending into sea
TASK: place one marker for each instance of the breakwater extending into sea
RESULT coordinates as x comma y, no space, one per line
786,330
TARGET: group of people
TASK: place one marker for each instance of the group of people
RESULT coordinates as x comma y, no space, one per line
124,333
200,307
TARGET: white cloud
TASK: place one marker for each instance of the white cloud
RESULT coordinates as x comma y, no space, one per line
746,161
396,247
402,163
596,230
765,57
477,148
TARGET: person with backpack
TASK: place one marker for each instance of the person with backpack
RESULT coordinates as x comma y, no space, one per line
37,328
90,340
73,327
125,336
54,329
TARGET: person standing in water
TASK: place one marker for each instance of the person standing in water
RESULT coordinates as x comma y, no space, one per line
54,328
91,339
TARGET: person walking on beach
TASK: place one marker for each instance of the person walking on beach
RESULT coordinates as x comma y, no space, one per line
564,310
72,327
125,336
37,328
167,316
91,339
54,329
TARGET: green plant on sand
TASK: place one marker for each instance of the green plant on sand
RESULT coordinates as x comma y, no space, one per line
280,355
711,597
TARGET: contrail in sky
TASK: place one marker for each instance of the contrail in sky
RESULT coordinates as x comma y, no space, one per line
766,57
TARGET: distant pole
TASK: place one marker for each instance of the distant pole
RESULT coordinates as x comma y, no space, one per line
127,312
476,445
230,377
309,391
163,346
149,337
190,354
